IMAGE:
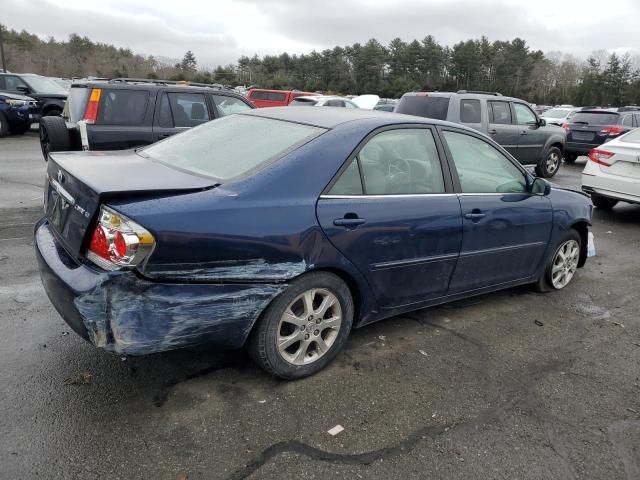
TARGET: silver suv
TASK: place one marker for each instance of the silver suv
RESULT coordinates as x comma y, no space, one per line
511,122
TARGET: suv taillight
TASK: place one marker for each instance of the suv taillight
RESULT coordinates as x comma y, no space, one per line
566,126
612,131
118,242
599,156
91,111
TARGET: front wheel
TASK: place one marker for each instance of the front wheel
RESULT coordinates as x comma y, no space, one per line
562,266
304,328
550,164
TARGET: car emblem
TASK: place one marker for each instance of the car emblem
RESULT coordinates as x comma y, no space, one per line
60,176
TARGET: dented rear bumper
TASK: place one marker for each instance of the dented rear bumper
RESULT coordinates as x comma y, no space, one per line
126,314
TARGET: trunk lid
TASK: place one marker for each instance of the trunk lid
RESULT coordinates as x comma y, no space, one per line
77,183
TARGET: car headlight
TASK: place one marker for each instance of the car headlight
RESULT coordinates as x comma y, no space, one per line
17,103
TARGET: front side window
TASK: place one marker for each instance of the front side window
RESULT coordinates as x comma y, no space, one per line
12,83
524,115
394,162
470,111
481,167
230,146
229,105
500,113
122,107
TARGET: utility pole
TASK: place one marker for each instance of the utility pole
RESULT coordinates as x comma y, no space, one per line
4,62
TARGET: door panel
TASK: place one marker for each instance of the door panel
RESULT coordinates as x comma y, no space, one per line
531,138
501,126
503,238
407,246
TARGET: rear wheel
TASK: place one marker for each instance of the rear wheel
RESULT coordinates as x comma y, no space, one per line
550,164
54,136
4,125
604,203
570,157
304,328
562,266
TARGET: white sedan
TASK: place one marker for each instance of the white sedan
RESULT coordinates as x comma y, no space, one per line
363,101
612,173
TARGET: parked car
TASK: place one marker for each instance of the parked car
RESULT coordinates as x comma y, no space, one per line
281,229
559,116
126,113
17,113
322,101
612,173
509,121
261,97
49,94
385,107
591,128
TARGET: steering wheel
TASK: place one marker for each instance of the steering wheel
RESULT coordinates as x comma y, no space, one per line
399,166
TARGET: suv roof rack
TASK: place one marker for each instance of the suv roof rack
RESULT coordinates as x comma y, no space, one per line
495,94
184,83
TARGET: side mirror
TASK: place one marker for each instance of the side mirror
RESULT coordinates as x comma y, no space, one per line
23,89
540,186
542,122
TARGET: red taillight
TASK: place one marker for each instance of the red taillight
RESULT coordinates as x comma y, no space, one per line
91,112
566,126
600,156
612,131
118,242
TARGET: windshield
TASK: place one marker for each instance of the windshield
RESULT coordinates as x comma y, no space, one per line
555,113
44,85
424,106
230,146
632,137
595,118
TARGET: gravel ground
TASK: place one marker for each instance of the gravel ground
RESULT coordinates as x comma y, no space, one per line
471,390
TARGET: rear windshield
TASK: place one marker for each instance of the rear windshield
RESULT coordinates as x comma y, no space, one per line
272,96
230,146
595,118
303,102
76,103
424,106
632,137
555,113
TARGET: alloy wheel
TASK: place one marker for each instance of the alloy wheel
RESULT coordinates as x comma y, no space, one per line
565,264
553,162
309,326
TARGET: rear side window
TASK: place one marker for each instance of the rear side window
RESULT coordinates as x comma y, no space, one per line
424,106
470,111
627,120
334,103
595,118
500,113
122,107
183,110
303,102
229,105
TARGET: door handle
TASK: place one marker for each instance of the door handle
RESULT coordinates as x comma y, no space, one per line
523,132
348,222
475,215
493,131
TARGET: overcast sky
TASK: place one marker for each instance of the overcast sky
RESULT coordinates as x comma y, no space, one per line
219,31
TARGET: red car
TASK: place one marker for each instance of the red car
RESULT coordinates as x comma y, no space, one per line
261,97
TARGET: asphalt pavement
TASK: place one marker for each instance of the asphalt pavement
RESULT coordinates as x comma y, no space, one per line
511,385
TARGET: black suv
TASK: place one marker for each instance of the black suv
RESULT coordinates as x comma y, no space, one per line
509,121
49,95
125,113
591,128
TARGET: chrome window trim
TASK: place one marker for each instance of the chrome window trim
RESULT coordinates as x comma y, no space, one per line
334,197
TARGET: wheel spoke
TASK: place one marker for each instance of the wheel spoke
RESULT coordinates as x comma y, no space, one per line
556,269
302,352
289,317
307,299
328,302
333,322
321,345
286,342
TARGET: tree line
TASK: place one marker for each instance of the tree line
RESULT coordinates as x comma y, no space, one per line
509,67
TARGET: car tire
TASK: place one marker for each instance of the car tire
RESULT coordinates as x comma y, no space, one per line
550,163
54,136
603,203
4,125
552,278
304,327
570,157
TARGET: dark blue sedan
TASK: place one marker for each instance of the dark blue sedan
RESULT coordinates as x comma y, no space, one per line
281,229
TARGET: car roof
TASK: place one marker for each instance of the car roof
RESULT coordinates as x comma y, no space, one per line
153,86
334,117
469,94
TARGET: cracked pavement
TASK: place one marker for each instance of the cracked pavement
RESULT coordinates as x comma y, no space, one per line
475,389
